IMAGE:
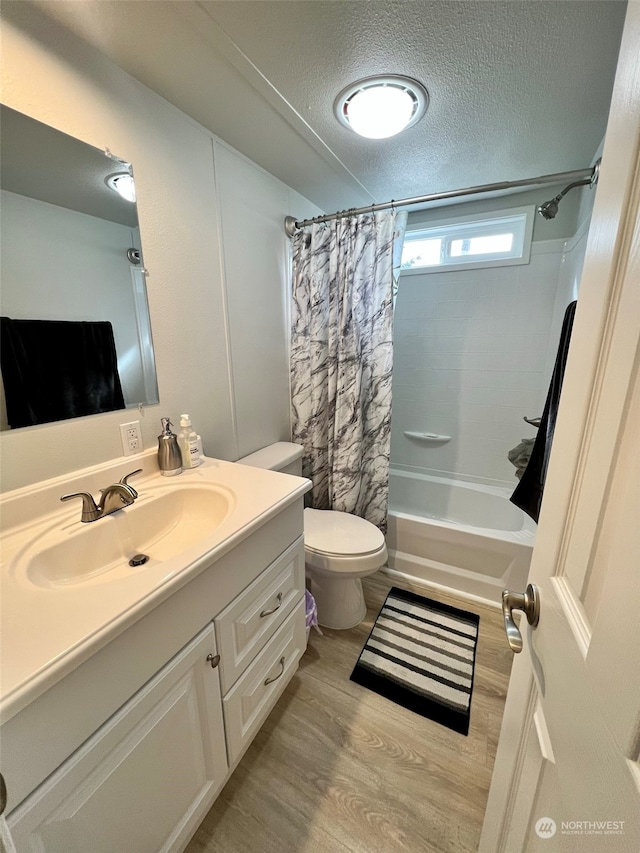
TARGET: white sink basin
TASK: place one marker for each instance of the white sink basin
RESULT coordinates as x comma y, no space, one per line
162,524
67,588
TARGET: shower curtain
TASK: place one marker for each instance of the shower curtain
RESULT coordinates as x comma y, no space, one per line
342,357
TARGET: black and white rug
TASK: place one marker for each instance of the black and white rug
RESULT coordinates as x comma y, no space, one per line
421,654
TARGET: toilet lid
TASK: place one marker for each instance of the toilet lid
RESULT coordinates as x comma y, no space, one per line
331,532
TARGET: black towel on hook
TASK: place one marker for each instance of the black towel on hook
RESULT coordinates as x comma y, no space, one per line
528,492
58,369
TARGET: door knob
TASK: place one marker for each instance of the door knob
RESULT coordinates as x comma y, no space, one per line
527,601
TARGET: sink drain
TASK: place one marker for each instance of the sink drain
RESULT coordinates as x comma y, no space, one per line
138,560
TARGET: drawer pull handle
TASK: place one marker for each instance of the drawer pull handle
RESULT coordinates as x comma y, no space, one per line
273,610
279,675
214,660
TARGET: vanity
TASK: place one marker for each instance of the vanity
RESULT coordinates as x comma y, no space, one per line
130,693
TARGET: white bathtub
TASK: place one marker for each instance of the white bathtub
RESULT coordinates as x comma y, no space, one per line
461,535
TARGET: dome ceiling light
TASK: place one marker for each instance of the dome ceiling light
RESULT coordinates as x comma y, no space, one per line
379,107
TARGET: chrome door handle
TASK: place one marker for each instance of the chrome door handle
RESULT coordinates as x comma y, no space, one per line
279,675
273,610
527,601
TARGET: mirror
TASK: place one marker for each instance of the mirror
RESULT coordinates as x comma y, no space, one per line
76,333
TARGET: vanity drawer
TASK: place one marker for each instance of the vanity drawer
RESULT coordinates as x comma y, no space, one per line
251,619
249,702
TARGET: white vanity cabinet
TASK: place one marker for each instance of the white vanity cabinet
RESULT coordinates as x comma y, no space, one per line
134,785
128,752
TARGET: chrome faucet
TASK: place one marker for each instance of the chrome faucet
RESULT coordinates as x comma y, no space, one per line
113,498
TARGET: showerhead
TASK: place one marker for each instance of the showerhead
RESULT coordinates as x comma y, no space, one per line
549,209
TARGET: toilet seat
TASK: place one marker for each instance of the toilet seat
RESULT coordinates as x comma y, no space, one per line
335,533
337,543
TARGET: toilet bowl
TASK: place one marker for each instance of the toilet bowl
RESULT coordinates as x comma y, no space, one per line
339,548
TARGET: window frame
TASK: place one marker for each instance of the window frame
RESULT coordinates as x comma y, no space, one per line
443,228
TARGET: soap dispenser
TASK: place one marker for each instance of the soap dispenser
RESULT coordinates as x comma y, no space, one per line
169,458
190,443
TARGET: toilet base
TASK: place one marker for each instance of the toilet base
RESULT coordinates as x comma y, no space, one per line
340,601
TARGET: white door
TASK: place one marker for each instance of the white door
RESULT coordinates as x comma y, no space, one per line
567,773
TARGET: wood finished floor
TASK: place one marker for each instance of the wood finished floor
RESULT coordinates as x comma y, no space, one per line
339,769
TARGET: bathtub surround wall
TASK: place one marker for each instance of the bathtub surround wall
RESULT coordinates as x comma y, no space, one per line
474,351
568,286
342,359
195,205
570,212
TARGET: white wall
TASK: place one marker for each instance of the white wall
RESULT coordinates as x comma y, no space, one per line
250,205
470,360
54,264
198,333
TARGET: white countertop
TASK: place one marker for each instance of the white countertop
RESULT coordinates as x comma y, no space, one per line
45,633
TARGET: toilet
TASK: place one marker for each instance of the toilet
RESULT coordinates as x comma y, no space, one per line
339,548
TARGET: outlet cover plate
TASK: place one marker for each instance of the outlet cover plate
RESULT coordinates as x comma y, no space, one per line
131,440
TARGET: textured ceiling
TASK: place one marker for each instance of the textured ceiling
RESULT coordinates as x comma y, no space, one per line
517,88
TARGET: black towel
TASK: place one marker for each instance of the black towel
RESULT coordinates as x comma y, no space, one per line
58,369
528,492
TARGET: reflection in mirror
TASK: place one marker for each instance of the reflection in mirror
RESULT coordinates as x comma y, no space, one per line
76,334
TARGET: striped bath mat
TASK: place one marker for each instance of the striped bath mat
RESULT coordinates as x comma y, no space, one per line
421,654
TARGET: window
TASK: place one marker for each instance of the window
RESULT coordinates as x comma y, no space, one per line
495,239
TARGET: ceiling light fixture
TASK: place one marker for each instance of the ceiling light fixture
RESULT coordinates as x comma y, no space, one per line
122,183
379,107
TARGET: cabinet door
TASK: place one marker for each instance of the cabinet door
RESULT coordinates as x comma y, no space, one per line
145,779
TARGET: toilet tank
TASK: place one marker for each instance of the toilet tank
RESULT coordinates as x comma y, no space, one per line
282,456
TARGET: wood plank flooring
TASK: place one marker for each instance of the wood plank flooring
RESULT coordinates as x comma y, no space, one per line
339,769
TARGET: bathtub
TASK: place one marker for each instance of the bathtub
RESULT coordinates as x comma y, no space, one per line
460,535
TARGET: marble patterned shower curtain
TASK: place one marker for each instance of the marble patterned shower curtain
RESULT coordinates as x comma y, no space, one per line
342,358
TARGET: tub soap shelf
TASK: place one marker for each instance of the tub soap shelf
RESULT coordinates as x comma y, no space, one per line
432,437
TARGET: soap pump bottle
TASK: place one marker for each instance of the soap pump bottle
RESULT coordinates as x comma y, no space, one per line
169,458
189,443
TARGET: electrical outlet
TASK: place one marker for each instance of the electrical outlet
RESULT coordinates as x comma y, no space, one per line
131,441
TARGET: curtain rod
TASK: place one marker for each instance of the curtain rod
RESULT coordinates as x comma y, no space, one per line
291,224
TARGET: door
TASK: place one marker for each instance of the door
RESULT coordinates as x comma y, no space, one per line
567,772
